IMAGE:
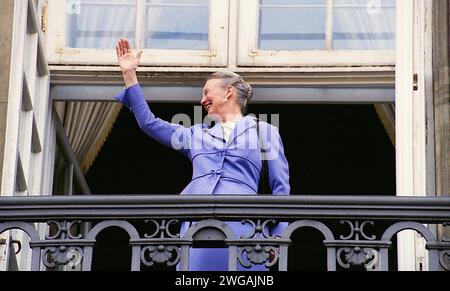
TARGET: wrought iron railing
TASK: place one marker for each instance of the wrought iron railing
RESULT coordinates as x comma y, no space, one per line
354,243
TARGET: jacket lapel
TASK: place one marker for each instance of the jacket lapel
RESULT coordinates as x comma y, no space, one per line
217,132
243,124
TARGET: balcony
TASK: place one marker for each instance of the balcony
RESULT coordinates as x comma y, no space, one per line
366,232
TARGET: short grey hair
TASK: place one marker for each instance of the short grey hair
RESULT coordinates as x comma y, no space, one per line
244,91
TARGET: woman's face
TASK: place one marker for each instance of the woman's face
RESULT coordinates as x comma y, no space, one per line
214,97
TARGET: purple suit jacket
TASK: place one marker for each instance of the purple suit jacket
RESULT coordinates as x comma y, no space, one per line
218,167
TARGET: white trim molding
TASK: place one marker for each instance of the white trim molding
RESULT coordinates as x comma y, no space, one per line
413,157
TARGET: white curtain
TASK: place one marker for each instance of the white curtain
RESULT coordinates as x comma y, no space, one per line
300,24
364,24
99,24
292,24
87,126
166,24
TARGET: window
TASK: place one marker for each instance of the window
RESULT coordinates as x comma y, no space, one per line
317,32
171,32
364,25
302,28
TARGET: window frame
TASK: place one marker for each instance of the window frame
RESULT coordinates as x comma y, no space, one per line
216,55
250,55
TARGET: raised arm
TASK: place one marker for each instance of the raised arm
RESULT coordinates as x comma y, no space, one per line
172,135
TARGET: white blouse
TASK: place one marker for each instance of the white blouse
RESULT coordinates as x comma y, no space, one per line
228,128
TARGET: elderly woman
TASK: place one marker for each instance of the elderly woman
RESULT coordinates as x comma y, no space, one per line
226,158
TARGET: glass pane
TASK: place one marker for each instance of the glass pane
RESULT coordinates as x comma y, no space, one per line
176,24
292,24
364,24
100,23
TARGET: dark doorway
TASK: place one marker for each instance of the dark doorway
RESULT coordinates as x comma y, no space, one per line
331,149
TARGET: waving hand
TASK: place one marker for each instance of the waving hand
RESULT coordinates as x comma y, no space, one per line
128,62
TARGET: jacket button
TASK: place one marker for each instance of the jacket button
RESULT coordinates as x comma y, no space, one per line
215,173
220,153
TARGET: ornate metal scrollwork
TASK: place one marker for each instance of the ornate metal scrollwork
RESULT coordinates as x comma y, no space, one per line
259,229
62,256
258,255
161,254
58,253
356,230
357,256
444,259
63,230
162,229
169,255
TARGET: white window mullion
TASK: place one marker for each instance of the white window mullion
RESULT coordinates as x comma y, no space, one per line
233,35
57,18
329,26
140,13
218,33
255,20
